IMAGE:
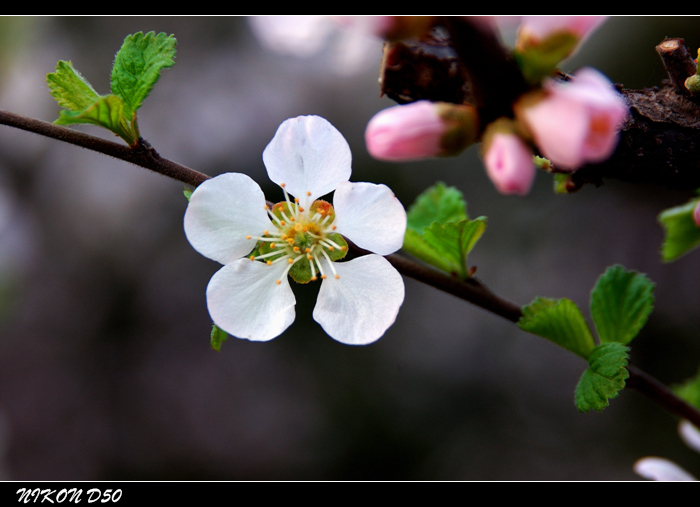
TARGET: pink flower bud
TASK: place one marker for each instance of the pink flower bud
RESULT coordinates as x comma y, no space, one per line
576,122
696,215
421,130
509,164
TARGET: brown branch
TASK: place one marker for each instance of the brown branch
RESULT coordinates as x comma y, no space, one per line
141,155
470,290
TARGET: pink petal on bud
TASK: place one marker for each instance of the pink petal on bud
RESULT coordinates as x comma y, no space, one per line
578,121
696,215
509,164
407,132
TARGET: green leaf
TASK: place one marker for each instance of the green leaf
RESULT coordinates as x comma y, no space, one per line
107,112
439,232
621,302
560,321
604,379
218,337
438,203
681,232
70,89
137,67
690,390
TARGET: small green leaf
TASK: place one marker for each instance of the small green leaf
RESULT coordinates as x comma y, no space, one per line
70,89
690,390
188,193
439,232
560,321
604,379
137,67
106,112
681,232
621,302
218,337
438,203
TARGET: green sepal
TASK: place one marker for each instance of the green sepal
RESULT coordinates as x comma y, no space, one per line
539,60
218,337
137,67
604,379
439,231
560,321
187,192
621,302
682,234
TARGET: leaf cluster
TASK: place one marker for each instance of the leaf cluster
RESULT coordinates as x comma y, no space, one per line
439,232
620,303
136,69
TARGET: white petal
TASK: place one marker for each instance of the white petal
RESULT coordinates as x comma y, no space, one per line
359,306
370,216
308,154
245,301
660,469
222,212
690,434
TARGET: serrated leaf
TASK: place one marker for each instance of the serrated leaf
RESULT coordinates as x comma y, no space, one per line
70,89
681,232
560,321
218,337
107,112
438,203
137,67
604,378
621,302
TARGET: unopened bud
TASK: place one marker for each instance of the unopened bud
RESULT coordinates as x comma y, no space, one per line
508,160
421,130
696,214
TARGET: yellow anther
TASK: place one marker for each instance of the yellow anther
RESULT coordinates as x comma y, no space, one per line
333,227
278,282
290,261
308,193
272,245
314,278
308,250
296,249
266,232
337,276
343,248
283,185
269,263
323,277
282,222
248,236
310,257
252,257
331,249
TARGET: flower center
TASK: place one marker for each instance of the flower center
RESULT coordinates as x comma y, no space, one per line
301,238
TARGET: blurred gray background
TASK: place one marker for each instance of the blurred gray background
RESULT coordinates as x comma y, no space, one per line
105,366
